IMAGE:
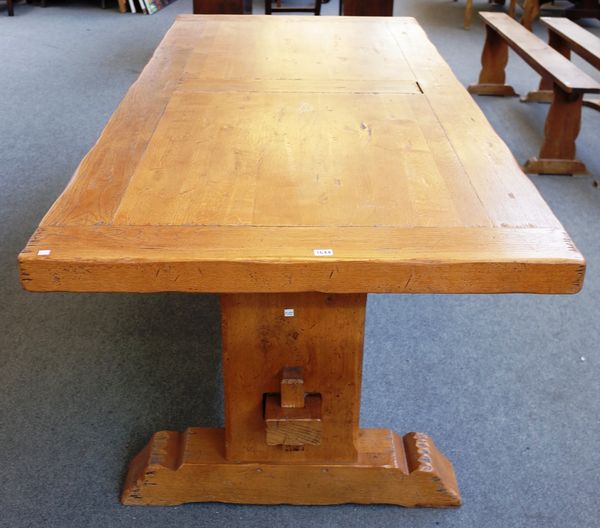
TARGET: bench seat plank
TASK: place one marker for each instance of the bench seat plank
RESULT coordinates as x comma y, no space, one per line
582,42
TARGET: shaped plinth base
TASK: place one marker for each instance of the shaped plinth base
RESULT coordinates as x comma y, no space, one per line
175,468
554,166
492,89
538,96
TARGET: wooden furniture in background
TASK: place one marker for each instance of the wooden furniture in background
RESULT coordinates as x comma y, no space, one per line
566,36
582,9
10,8
367,7
315,8
294,187
569,83
122,4
571,9
222,7
469,10
531,10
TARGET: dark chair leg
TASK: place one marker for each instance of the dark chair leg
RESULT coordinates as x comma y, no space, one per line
268,7
43,3
9,6
317,7
103,4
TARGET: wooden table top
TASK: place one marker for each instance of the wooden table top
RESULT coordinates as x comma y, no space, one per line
288,154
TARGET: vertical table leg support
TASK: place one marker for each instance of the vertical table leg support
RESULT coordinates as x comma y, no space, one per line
493,64
280,446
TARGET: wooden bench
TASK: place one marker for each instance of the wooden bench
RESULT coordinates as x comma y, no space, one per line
572,10
566,36
569,83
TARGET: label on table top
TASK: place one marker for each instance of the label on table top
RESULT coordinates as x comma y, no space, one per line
288,312
323,252
43,252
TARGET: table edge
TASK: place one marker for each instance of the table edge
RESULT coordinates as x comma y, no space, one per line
281,259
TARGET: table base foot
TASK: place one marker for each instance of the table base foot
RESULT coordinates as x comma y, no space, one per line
176,468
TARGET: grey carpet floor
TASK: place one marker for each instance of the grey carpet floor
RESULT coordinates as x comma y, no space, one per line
508,386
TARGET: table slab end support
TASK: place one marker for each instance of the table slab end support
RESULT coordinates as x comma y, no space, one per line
292,366
177,468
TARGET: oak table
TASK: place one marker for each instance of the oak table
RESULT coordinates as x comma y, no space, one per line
294,165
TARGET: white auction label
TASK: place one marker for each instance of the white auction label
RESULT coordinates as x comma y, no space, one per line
43,252
288,312
323,252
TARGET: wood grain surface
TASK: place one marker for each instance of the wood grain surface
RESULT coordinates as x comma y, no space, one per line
248,143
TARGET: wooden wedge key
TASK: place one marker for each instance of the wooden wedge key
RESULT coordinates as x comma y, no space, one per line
294,187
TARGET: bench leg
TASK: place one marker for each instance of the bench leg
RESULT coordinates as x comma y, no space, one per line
292,406
9,6
557,155
531,9
468,14
512,8
544,93
493,64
